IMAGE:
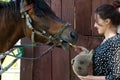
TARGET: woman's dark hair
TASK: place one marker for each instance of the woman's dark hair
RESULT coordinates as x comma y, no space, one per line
109,11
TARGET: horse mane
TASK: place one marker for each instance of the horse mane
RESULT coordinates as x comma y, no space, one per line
42,9
9,4
5,4
7,8
13,7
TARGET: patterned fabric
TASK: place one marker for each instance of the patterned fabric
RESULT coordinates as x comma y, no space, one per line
106,59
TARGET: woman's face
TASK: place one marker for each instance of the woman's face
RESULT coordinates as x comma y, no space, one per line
100,24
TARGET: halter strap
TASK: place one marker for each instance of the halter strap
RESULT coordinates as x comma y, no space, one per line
25,8
28,7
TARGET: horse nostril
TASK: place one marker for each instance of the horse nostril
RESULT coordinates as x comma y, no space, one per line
73,34
74,37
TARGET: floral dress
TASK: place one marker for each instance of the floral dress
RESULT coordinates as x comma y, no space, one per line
106,59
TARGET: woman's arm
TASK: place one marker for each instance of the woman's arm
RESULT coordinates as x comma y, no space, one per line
90,77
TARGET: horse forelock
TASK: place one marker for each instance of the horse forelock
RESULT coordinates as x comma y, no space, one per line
7,4
42,9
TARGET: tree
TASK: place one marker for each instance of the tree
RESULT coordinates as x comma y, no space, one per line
5,0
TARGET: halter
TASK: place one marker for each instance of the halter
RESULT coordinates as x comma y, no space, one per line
51,38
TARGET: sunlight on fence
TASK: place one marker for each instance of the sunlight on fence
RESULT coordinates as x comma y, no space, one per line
12,73
5,0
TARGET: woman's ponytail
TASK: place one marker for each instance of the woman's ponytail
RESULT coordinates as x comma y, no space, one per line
116,5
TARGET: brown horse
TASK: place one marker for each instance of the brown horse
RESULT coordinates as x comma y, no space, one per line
33,19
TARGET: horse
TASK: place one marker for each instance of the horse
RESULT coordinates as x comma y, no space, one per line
33,19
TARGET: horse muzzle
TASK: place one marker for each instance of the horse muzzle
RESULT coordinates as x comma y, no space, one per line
69,37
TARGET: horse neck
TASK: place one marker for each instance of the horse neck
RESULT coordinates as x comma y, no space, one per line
11,32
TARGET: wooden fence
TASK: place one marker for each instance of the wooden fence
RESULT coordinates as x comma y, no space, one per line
56,65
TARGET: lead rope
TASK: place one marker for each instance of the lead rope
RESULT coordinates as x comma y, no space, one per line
18,56
38,57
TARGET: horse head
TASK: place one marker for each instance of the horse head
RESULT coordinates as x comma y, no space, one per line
44,25
33,19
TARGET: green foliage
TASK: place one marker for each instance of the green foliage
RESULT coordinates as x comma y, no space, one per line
5,0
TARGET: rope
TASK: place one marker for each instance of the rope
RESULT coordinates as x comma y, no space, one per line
42,54
19,56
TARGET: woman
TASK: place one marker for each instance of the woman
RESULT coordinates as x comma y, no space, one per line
106,57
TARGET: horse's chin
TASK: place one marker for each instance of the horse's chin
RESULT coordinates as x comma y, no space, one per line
65,45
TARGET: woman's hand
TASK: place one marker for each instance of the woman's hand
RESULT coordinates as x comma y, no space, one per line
78,49
85,77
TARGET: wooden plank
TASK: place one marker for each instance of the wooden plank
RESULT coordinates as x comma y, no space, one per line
68,11
60,64
83,17
60,58
42,66
56,7
26,65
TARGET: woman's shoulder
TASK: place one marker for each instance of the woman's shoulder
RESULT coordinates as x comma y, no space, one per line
111,43
115,41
